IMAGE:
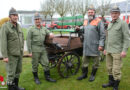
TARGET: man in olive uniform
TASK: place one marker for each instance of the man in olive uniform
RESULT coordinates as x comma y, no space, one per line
35,43
116,48
94,37
12,43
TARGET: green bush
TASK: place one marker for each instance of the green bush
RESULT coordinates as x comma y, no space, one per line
24,32
3,20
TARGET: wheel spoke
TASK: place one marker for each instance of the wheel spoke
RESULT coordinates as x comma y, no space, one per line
69,64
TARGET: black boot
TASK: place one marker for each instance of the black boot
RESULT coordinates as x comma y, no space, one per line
92,77
116,84
16,81
11,87
110,83
36,79
84,74
47,76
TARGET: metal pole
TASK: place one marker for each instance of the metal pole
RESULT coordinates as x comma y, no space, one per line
126,10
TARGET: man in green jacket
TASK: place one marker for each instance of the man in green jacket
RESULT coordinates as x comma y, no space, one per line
35,43
116,48
12,43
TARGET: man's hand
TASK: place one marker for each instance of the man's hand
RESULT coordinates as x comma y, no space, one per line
30,55
51,36
77,28
5,60
100,48
104,52
123,54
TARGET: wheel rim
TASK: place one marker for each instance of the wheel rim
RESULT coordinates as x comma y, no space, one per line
68,64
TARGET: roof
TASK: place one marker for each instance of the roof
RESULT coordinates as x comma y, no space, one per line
27,12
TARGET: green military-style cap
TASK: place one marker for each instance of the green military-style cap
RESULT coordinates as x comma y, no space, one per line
12,11
115,9
91,7
37,16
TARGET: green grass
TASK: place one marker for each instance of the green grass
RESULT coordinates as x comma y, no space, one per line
60,33
25,32
27,81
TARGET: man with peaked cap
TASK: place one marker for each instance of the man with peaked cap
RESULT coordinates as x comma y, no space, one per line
36,48
116,47
12,43
94,37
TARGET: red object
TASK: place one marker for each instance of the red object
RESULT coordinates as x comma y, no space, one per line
123,17
126,19
54,25
106,21
1,78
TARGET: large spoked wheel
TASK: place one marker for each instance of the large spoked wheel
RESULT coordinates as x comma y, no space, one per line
68,64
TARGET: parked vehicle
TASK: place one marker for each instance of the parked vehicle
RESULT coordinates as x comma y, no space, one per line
46,24
106,21
54,25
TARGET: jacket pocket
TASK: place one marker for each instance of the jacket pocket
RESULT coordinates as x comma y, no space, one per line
95,46
12,36
36,36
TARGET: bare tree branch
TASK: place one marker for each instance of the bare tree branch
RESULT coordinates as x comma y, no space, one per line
73,7
62,7
103,7
45,9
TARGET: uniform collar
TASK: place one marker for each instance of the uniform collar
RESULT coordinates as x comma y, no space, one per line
38,28
12,26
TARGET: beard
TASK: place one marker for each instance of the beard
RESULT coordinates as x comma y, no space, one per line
91,17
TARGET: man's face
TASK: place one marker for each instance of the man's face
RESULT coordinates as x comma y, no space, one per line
14,18
115,15
38,22
91,14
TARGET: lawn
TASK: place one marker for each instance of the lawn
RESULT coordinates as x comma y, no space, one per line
25,32
27,81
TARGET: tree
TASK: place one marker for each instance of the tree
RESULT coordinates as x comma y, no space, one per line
83,7
103,7
62,7
45,9
51,5
3,20
73,7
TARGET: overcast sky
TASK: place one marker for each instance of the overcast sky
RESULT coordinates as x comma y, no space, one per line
22,5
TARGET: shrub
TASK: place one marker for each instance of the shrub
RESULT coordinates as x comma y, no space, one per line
3,20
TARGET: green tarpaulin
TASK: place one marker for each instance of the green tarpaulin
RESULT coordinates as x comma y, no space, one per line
71,18
63,30
70,23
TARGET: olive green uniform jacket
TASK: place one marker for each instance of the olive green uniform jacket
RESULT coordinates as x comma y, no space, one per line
118,37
